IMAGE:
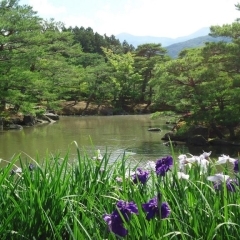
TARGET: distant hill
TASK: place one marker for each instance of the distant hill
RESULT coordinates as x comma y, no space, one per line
165,41
174,45
175,49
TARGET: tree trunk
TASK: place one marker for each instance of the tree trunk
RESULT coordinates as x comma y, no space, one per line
143,90
1,123
2,105
217,131
231,132
88,102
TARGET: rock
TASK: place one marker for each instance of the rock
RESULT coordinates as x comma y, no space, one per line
170,143
45,119
173,137
197,140
14,127
29,120
168,135
196,135
52,116
198,130
221,142
42,121
154,129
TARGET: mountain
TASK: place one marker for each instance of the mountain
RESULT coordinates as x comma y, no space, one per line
138,40
174,49
165,41
174,45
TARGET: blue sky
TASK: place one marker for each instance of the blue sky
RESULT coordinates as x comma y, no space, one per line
160,18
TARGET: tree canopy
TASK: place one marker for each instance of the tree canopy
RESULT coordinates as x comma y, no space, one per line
43,62
204,81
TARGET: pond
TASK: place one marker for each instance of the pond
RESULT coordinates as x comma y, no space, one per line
114,134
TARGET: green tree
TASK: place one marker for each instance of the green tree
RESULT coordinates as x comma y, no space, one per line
124,78
85,37
196,83
227,55
37,58
146,56
113,44
127,47
56,66
89,59
98,84
19,26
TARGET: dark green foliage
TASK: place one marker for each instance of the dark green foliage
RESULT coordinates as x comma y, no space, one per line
93,42
35,56
146,57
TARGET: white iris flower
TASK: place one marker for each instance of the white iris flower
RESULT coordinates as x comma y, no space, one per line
219,177
224,159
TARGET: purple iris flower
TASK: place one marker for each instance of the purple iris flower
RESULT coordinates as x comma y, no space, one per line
114,225
126,209
231,185
122,213
163,165
236,168
140,176
153,210
31,167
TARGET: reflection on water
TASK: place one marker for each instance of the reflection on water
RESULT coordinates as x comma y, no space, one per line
114,134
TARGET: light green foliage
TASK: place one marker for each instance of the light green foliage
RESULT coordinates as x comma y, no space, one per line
124,77
98,84
164,114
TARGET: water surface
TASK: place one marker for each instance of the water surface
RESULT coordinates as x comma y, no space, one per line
116,134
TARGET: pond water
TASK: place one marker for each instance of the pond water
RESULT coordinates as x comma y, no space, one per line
114,134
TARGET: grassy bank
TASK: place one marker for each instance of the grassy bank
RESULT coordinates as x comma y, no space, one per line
92,199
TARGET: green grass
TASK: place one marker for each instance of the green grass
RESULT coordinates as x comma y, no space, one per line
60,199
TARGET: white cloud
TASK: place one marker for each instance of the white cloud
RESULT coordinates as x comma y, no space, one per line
80,21
171,18
45,8
165,18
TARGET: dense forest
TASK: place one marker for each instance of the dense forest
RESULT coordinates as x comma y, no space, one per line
42,63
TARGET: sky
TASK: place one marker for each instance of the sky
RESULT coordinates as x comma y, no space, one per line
158,18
